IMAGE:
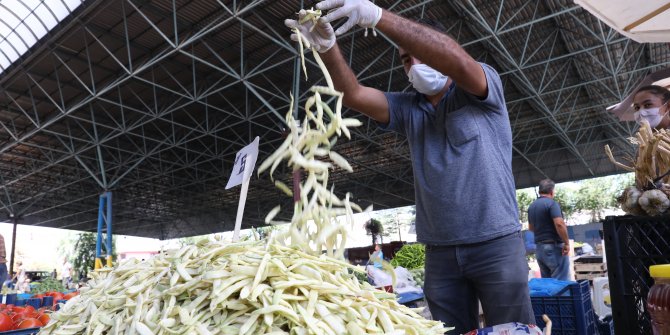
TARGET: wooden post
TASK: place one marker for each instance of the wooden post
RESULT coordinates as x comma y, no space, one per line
11,262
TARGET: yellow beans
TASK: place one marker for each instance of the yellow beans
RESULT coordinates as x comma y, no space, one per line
246,287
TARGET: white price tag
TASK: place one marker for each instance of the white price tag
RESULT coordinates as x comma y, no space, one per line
245,162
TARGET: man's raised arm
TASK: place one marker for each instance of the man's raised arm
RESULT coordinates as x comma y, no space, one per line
431,47
366,100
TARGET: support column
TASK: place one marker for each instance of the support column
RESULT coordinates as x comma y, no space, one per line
104,226
15,221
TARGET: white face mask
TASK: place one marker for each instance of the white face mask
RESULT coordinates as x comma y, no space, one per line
651,115
426,80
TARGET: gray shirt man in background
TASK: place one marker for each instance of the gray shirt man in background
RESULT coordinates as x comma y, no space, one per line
545,219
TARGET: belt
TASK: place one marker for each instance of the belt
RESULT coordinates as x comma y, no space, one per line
440,246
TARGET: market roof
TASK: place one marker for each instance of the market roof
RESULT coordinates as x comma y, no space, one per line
152,99
24,22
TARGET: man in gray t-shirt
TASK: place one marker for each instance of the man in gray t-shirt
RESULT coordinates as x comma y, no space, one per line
551,234
460,142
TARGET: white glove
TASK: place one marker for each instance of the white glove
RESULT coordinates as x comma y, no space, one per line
360,12
321,38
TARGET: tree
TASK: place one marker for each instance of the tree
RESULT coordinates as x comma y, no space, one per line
595,195
84,257
523,200
80,251
621,181
394,220
566,200
389,224
591,196
374,228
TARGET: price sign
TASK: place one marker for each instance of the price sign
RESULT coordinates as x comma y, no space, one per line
245,161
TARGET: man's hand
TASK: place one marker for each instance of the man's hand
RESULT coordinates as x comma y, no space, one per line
566,249
321,38
360,12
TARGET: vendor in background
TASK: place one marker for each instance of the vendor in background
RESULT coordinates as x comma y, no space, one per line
458,129
22,282
3,261
66,273
377,257
545,219
651,104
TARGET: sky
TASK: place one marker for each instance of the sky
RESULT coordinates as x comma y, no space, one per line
24,22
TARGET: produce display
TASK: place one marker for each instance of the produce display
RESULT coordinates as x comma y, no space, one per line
23,317
17,317
649,195
419,276
410,256
282,285
241,288
413,258
48,285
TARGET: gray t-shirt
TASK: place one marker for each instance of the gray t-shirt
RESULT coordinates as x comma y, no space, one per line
541,214
462,159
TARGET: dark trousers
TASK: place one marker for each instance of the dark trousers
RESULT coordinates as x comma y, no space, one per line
495,272
3,273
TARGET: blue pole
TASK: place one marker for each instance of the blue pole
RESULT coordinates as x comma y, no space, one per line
101,218
109,228
98,242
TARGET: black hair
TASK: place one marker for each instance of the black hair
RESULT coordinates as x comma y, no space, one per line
546,186
659,91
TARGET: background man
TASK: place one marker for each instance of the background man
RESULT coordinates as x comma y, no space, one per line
3,261
377,257
551,234
66,273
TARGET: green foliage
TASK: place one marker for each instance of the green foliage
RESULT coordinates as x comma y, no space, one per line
591,196
595,195
47,285
621,181
84,254
374,228
389,224
410,256
523,200
395,221
566,200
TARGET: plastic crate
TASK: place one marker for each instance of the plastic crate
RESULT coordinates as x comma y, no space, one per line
632,244
570,310
606,325
607,328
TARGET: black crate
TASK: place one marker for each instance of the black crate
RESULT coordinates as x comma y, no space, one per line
632,244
